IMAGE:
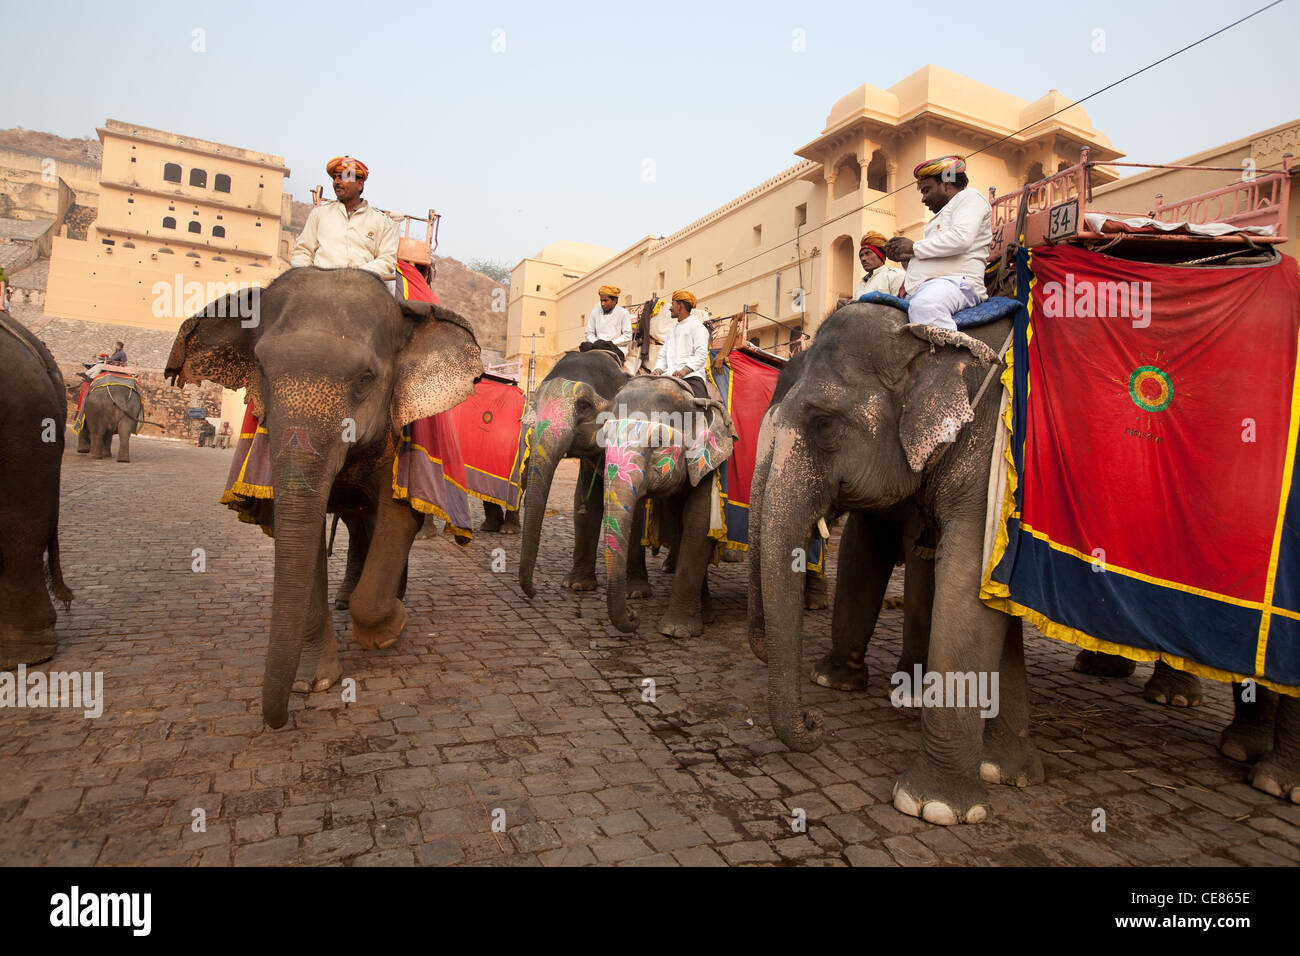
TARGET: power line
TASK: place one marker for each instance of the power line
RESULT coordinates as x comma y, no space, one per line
1109,86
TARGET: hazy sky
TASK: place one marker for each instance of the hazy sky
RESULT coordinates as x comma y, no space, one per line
527,123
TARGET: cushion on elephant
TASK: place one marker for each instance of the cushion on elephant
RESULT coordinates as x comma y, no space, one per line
990,310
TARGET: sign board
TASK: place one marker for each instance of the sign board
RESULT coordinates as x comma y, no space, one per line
198,413
1063,220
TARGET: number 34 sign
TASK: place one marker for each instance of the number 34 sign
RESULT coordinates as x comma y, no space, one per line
1063,220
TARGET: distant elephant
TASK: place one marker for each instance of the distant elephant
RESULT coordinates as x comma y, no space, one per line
33,410
109,410
667,448
335,368
497,520
1166,685
869,429
562,423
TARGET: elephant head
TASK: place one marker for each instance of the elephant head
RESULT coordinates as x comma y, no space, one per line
334,368
561,420
658,441
866,427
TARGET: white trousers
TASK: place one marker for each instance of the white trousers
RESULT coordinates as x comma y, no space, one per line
937,300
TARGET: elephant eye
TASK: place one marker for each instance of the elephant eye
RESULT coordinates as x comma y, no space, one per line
822,429
361,387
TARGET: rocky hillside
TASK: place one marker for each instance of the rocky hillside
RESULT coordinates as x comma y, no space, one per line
87,150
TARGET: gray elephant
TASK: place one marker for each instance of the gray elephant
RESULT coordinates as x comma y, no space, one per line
1166,685
869,429
107,411
562,422
334,368
665,444
33,410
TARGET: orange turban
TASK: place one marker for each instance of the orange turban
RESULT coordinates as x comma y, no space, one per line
937,167
343,164
612,291
875,242
687,297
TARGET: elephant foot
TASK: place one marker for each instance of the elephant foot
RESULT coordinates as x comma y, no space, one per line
815,593
577,580
322,676
511,524
937,796
1173,687
490,526
681,625
26,648
124,460
669,565
904,698
758,643
840,673
639,588
342,602
731,556
1103,665
1277,779
382,635
1009,759
83,451
1246,743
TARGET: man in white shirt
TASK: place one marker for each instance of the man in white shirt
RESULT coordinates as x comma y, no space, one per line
610,322
945,269
686,346
348,234
879,277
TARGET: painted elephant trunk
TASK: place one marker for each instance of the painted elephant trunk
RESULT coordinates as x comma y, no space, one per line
788,510
546,453
301,495
625,482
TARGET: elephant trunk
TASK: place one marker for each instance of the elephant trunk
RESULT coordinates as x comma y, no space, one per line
757,484
547,451
789,508
302,486
625,482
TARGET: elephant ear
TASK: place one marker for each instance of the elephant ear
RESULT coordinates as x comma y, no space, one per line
438,366
936,403
711,445
217,344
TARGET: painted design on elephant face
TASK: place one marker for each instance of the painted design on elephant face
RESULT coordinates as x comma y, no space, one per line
666,462
701,451
296,438
549,410
620,463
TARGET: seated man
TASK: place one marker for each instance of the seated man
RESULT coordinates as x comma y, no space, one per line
119,356
945,269
685,352
609,325
348,233
223,435
879,277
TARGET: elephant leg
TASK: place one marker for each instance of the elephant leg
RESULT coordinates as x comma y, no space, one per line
670,525
942,784
638,579
1010,756
706,602
378,614
493,518
124,429
918,603
1103,665
1279,773
868,549
361,529
83,440
318,664
684,617
1250,735
1173,687
510,523
96,442
588,506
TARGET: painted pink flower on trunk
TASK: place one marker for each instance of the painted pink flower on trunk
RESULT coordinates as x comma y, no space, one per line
620,462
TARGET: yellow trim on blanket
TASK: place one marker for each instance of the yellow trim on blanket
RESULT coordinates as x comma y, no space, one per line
1288,472
403,493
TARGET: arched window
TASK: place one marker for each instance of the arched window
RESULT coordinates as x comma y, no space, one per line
843,261
219,232
848,177
198,177
169,222
877,173
172,172
221,183
195,227
1034,172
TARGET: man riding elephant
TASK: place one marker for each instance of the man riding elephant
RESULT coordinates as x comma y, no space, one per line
685,352
609,325
349,233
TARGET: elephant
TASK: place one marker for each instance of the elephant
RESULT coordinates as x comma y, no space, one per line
1265,732
665,444
497,520
578,389
33,410
881,425
1165,685
109,410
334,367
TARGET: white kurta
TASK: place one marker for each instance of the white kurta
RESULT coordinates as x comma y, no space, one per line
332,239
686,345
613,326
956,243
884,279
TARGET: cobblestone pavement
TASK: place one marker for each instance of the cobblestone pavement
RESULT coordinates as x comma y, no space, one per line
489,703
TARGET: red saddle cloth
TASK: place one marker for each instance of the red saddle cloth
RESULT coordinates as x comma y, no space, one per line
428,472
